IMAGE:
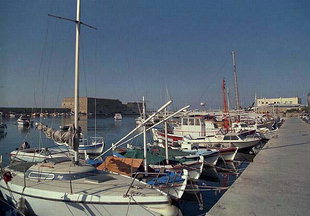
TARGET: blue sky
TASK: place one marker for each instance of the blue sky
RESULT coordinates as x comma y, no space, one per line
151,47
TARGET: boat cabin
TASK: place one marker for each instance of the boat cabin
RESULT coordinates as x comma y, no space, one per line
196,127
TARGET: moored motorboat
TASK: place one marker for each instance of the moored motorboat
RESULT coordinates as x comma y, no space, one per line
24,121
118,116
241,140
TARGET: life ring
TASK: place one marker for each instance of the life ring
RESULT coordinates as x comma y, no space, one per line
7,176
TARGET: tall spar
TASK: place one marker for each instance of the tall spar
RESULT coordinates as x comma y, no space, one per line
76,81
144,136
236,81
78,24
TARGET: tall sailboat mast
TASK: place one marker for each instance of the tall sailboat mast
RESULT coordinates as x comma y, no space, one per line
144,136
76,81
236,81
77,59
78,24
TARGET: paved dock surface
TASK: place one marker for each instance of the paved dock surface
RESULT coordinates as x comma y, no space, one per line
277,182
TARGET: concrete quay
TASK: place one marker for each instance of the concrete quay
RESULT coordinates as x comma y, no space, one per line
277,182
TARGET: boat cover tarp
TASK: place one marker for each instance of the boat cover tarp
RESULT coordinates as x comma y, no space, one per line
67,137
124,166
171,177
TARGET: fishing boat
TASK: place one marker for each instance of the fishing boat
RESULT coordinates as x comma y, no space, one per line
172,183
194,167
159,136
226,153
156,160
66,187
193,126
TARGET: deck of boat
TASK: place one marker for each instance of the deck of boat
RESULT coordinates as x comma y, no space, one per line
103,187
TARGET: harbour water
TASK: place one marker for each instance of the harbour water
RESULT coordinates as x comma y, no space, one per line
212,184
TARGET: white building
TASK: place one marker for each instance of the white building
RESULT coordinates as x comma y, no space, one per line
277,101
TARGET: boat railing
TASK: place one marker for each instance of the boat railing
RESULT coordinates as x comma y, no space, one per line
92,141
96,139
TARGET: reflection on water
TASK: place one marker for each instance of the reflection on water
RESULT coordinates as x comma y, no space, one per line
118,123
202,194
3,135
23,129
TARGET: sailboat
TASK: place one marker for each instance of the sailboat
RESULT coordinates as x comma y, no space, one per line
65,187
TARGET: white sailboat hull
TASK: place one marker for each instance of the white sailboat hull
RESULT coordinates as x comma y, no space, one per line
66,204
80,191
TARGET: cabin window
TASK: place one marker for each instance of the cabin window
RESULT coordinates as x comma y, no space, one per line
197,122
226,137
185,122
233,137
230,138
36,175
242,136
191,122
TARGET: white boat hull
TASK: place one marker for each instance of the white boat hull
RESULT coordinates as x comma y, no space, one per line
212,159
37,155
69,204
66,189
228,155
91,149
240,145
175,190
194,168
